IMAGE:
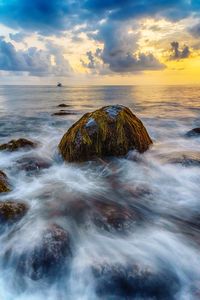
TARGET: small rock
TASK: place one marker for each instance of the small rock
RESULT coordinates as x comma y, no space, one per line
105,215
114,216
32,164
194,132
15,145
63,113
185,158
11,211
4,185
63,105
109,131
48,258
134,282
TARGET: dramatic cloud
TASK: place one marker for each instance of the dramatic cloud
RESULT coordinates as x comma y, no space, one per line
34,61
50,16
178,53
112,24
119,51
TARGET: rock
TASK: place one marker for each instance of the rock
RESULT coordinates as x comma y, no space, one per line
106,215
185,158
109,131
63,113
194,132
63,105
48,258
133,282
15,145
112,215
4,185
33,164
11,211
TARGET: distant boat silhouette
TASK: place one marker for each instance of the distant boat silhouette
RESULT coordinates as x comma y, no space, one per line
59,84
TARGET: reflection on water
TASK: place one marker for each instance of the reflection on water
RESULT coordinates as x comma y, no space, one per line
150,249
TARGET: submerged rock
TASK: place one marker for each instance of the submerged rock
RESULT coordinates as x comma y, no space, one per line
114,216
11,211
194,132
107,215
33,164
49,256
132,282
15,145
4,185
109,131
185,158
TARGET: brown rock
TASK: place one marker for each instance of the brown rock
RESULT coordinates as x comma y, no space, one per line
109,131
11,211
15,145
33,163
4,185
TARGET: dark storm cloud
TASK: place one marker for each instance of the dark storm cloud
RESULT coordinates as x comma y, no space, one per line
53,16
34,61
45,16
177,53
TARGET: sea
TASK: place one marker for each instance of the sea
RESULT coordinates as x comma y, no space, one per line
155,256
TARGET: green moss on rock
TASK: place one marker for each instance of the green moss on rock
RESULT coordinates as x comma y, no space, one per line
109,131
15,145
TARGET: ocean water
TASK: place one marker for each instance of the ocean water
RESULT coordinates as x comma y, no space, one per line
153,257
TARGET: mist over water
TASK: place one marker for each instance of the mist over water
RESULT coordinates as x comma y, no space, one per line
161,237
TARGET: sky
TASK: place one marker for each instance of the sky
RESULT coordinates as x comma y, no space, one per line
95,42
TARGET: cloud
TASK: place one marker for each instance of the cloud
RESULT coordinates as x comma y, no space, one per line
53,16
18,37
34,61
195,30
44,16
120,51
177,53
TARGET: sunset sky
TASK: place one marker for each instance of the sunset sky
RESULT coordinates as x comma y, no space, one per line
100,41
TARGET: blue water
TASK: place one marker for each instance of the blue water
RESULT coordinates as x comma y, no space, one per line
165,241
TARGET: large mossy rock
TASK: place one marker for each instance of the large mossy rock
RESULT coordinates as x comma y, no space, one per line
109,131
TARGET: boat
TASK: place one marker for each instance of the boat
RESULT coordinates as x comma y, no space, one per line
59,84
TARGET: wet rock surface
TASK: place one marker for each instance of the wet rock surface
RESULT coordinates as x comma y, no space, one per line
185,158
15,145
104,214
195,132
109,131
12,211
49,257
4,184
32,164
133,282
